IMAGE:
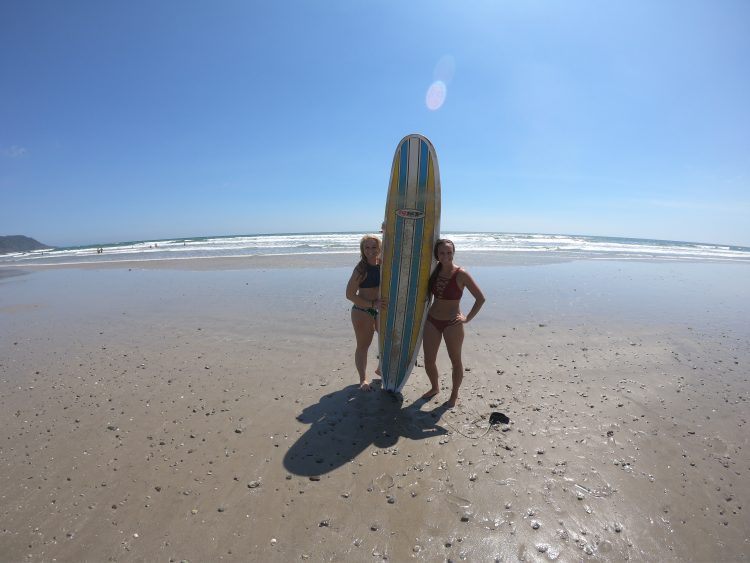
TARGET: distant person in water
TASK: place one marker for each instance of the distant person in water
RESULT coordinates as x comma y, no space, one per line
444,318
363,290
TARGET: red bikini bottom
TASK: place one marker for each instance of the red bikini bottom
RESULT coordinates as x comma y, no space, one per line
442,325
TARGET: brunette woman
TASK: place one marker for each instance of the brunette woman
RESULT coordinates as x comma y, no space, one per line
444,318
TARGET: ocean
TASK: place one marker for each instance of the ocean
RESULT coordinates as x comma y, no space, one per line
562,246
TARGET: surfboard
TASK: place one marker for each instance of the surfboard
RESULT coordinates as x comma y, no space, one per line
411,227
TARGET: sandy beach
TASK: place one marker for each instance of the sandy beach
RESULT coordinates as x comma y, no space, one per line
207,410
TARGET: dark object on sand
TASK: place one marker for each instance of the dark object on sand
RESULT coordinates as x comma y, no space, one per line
498,418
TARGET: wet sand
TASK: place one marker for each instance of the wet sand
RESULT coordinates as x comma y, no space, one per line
208,413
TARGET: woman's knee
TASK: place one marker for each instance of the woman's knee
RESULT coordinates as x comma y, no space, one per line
455,358
429,352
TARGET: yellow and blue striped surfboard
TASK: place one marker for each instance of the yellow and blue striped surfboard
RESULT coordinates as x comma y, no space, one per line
412,225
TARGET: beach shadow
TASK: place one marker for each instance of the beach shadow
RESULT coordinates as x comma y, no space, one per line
344,423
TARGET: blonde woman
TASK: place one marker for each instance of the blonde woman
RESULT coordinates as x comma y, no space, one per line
363,290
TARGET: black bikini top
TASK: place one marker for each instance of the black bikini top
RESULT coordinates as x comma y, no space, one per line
373,276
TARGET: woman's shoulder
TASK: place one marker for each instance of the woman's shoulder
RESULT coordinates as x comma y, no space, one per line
461,273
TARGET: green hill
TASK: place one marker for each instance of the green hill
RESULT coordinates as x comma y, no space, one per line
19,243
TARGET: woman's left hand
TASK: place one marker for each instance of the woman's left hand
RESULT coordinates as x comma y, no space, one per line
462,318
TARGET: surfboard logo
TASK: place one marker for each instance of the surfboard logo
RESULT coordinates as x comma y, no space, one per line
410,213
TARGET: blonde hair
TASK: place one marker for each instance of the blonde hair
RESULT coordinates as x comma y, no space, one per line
362,241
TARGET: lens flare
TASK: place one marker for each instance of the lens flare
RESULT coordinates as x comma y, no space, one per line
435,97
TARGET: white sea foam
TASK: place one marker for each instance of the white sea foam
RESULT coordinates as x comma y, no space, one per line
569,246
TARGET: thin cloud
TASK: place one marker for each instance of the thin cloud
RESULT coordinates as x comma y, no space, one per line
14,151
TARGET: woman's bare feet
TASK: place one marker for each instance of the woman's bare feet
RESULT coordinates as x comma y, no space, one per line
451,402
365,386
430,394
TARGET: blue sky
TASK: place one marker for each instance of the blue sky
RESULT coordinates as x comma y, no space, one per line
137,120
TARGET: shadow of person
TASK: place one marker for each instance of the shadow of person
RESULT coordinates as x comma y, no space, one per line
344,423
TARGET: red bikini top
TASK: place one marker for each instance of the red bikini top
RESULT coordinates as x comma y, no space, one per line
447,288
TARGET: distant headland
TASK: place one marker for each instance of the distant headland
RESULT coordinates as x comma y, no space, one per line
20,243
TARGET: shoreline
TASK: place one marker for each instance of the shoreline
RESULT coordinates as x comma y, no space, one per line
339,259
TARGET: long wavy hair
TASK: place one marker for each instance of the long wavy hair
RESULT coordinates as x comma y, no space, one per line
436,271
362,265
